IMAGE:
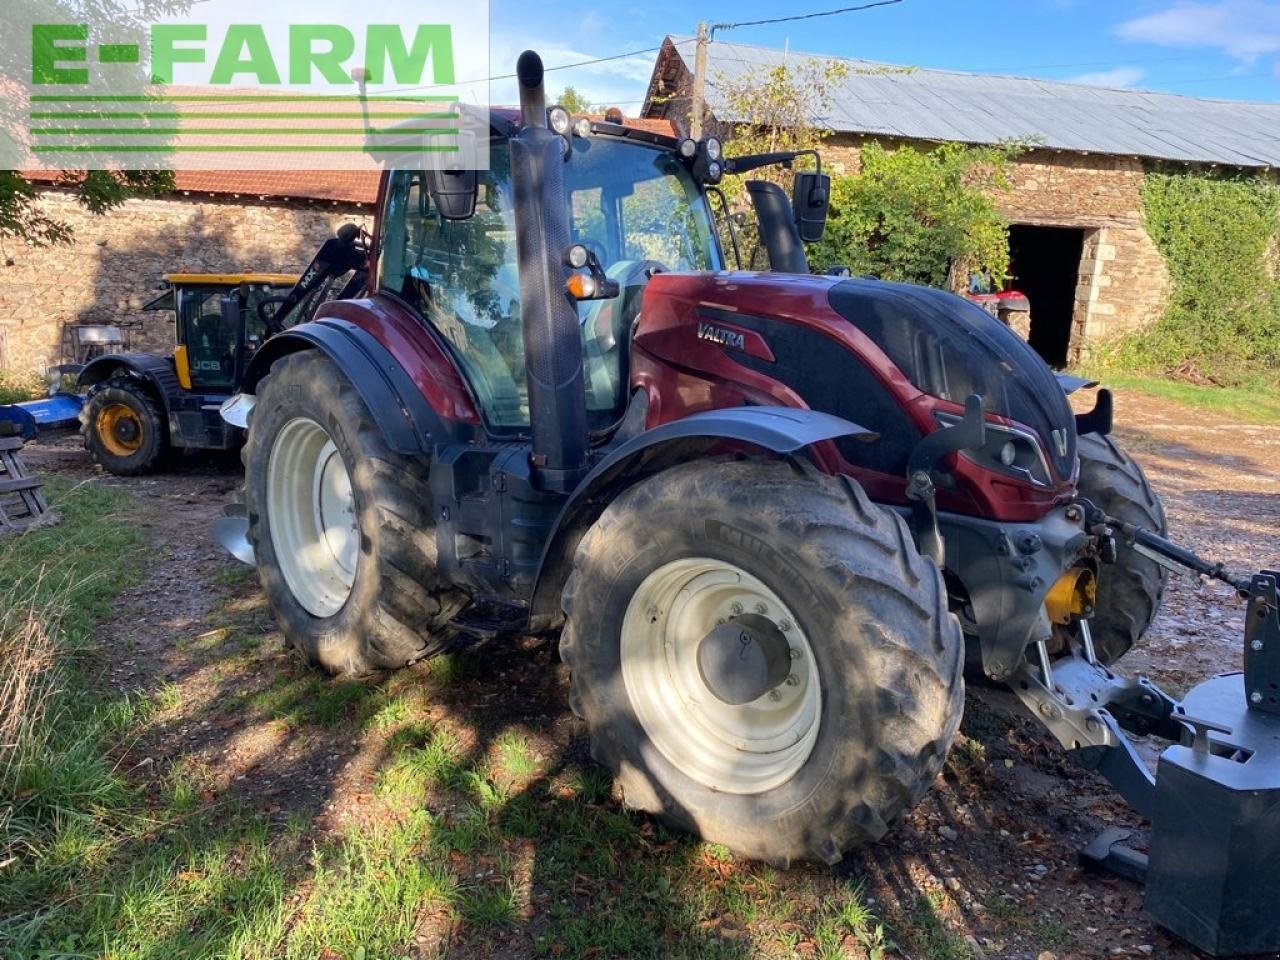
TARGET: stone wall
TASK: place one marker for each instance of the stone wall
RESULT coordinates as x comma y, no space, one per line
117,261
1123,282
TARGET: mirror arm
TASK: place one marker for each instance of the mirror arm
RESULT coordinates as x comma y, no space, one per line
756,160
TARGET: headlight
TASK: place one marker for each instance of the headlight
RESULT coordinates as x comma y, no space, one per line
558,120
713,148
1010,450
688,148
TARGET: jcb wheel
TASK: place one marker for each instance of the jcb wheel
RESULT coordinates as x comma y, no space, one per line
123,428
341,525
762,657
1129,590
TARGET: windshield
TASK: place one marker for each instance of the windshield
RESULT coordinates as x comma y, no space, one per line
635,206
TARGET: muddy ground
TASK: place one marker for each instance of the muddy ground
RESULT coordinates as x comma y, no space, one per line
994,846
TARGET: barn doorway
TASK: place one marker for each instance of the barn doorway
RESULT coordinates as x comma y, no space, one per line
1045,265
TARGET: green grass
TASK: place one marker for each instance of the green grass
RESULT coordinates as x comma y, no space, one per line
466,839
1257,404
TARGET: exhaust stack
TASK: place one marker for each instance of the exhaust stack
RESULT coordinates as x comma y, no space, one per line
552,338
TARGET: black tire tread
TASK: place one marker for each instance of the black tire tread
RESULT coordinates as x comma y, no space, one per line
158,428
868,551
408,617
1131,589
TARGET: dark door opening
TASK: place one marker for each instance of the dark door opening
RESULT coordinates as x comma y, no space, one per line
1045,265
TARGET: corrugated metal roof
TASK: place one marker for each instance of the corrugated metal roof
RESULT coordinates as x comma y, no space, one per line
942,105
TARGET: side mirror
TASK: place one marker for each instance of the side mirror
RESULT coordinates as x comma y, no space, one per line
454,192
810,198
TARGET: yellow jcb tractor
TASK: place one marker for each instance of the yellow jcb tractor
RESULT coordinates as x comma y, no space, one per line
138,408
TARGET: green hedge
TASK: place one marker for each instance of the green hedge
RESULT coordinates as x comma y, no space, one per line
1218,235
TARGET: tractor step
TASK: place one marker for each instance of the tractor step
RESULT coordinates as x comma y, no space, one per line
22,505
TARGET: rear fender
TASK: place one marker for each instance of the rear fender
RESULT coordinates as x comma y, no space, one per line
409,423
780,431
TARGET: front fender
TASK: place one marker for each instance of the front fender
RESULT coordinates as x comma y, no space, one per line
409,423
156,372
777,430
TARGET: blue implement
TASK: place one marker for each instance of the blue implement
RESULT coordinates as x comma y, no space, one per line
55,414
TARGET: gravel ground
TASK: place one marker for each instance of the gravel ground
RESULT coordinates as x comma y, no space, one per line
988,859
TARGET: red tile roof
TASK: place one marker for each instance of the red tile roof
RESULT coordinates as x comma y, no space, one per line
339,186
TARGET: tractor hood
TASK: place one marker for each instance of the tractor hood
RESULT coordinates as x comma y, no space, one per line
950,348
914,340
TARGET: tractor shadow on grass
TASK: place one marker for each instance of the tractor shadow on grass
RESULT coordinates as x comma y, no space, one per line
452,809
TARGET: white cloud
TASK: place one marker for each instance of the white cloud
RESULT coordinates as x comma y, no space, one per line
1119,77
1244,29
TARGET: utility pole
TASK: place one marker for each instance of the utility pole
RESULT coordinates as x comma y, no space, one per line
697,107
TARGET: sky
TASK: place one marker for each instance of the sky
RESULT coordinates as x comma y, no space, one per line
1202,48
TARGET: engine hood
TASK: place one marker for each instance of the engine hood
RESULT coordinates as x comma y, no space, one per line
950,348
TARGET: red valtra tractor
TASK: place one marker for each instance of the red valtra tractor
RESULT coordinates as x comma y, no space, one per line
775,516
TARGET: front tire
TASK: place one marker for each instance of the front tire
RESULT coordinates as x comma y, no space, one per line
124,428
822,760
1129,590
341,525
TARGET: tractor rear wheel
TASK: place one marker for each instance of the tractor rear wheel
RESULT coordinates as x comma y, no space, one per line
124,428
762,657
1129,590
341,525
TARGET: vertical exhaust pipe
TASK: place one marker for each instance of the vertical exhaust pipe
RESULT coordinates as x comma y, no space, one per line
552,338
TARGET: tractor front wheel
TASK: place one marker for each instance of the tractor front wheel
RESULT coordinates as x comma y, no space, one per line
342,526
1129,590
762,657
123,428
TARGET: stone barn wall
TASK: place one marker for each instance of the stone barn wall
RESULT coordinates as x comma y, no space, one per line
117,260
1123,283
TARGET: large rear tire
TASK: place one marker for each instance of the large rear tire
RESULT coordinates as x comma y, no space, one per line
1129,590
815,764
124,428
342,526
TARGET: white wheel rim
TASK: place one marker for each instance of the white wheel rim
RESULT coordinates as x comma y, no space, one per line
312,517
744,749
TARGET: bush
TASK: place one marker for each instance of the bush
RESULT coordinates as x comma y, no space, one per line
920,216
16,387
1218,235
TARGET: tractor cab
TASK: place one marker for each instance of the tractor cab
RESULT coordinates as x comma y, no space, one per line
634,207
213,345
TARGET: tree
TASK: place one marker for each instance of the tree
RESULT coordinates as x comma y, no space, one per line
774,108
21,215
920,216
573,101
779,108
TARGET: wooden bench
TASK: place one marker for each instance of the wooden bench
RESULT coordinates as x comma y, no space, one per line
22,504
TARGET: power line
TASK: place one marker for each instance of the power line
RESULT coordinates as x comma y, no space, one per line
800,16
561,66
